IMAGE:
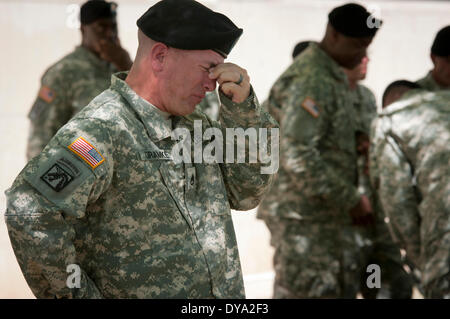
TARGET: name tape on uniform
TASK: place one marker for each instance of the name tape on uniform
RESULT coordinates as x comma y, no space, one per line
87,152
157,155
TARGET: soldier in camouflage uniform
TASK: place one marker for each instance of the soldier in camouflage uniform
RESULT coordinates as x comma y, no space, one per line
409,165
106,195
72,82
314,199
275,110
439,77
375,240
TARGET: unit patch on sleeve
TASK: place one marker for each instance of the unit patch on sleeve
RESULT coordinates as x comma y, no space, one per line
57,177
87,152
47,94
309,105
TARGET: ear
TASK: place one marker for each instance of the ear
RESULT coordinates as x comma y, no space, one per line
158,56
433,58
334,35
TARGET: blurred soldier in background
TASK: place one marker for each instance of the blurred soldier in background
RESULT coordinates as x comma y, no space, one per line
409,168
376,243
274,110
393,92
315,197
439,77
72,82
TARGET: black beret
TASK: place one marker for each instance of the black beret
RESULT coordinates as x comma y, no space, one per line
189,25
97,9
441,44
353,21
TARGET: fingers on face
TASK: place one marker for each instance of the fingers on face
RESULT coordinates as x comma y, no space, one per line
233,76
228,72
223,67
227,75
229,88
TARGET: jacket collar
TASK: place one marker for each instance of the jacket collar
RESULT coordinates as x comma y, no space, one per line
157,125
328,63
93,59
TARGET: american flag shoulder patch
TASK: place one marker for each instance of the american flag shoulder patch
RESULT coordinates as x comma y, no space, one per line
87,152
47,94
309,105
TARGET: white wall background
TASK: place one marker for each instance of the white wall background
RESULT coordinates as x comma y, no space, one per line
35,34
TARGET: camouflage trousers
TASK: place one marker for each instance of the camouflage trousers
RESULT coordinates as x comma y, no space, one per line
378,248
314,260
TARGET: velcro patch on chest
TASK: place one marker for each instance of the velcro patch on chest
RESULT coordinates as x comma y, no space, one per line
87,152
47,94
309,105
